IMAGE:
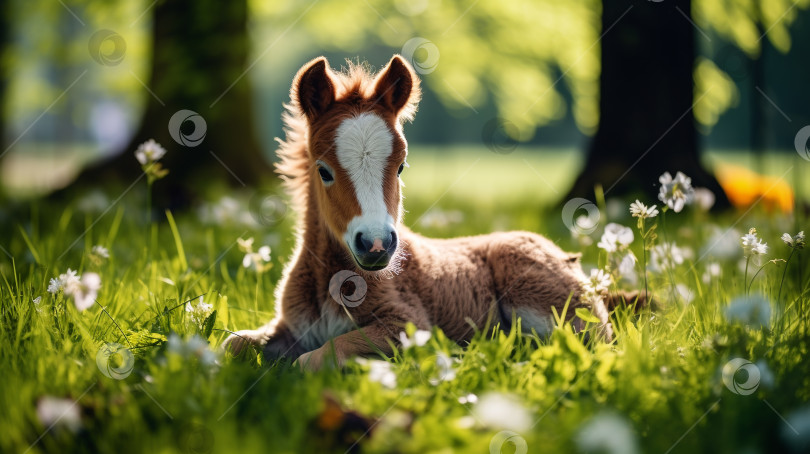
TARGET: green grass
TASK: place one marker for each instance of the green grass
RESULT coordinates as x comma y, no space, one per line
661,378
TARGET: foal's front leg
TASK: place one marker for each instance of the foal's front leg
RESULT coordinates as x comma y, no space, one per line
275,339
365,341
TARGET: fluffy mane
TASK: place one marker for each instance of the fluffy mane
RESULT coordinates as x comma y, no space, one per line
355,81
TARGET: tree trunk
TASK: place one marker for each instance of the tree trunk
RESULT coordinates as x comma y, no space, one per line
646,123
199,60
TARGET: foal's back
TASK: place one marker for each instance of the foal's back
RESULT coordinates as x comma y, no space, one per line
465,283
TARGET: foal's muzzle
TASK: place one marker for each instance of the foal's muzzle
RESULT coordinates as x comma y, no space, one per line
373,250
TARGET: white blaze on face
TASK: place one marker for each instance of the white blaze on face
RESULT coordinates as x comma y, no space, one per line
364,143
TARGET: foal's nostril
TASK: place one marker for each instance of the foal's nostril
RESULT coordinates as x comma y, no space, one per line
392,245
360,243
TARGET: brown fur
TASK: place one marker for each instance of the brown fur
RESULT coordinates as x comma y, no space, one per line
457,284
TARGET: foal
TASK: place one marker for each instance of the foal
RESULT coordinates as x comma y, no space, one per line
341,161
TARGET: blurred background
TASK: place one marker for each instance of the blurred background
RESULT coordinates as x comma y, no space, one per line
537,96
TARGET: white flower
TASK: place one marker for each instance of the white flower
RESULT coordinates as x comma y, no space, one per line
199,312
713,270
796,242
55,286
256,259
750,310
625,264
598,282
380,372
668,255
502,411
36,302
420,338
55,411
607,433
83,290
677,192
616,237
752,245
722,244
704,198
100,251
149,152
639,210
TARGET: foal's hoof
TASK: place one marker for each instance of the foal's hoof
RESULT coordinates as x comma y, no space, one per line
236,343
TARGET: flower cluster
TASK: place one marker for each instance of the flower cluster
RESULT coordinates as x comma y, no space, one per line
794,242
199,312
83,289
148,154
753,245
595,285
641,211
259,260
676,192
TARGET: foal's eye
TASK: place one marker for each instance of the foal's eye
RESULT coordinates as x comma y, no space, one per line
325,175
401,168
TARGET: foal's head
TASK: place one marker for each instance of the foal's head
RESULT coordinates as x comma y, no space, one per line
356,152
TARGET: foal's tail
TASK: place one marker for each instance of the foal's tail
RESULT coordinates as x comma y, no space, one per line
635,299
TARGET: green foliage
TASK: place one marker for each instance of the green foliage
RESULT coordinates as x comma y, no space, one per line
662,376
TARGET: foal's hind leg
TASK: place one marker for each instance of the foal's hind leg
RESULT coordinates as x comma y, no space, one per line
532,275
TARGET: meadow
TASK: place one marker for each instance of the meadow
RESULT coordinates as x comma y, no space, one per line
718,362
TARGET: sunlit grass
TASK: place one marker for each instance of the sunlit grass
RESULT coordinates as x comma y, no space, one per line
661,379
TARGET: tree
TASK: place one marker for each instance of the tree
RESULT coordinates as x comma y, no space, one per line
199,59
647,124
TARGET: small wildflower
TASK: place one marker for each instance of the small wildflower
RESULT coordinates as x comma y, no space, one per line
84,291
598,282
676,192
149,152
55,411
704,198
639,210
98,254
713,270
502,411
752,245
795,242
36,302
419,338
259,259
616,237
100,251
607,433
199,312
380,372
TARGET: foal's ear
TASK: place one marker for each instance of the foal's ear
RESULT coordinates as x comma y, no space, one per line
313,88
397,88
